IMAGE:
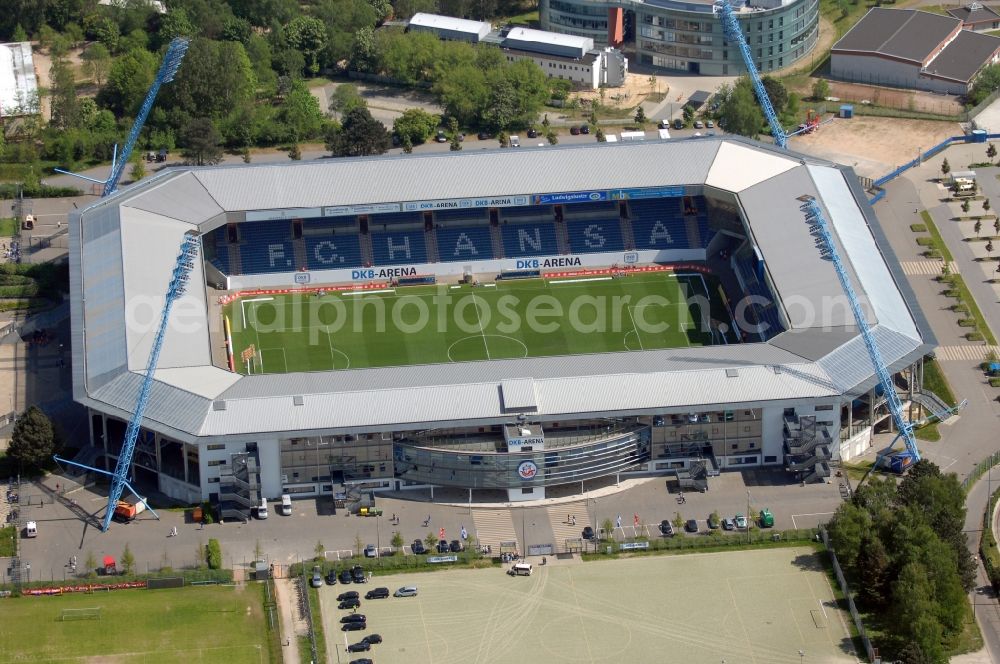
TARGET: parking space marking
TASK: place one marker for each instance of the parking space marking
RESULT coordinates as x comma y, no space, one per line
812,514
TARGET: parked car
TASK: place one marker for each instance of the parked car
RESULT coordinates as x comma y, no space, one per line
350,594
373,638
584,129
360,646
698,124
317,578
371,551
588,533
358,574
456,546
331,577
666,528
363,660
691,526
377,593
418,547
741,522
532,133
574,130
406,591
349,604
727,524
345,576
442,546
678,123
441,138
484,136
709,124
354,618
354,626
713,521
515,141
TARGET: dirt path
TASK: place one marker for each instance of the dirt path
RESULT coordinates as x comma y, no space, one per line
292,624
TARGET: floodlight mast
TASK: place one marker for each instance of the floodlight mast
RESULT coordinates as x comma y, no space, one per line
168,68
820,229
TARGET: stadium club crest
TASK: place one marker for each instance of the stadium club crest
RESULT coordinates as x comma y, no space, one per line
527,470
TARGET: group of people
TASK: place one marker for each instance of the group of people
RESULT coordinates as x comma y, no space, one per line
509,557
40,337
12,252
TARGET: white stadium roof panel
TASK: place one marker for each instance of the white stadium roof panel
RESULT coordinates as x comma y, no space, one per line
205,381
439,22
18,84
180,196
738,166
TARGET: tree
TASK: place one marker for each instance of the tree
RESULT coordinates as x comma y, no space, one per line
128,80
175,23
216,78
397,541
847,529
90,565
319,551
991,152
996,226
300,113
551,137
777,93
358,543
295,152
415,124
977,227
33,440
138,167
599,135
308,36
820,89
201,142
237,29
97,62
740,113
965,206
989,247
360,135
127,560
873,566
431,540
62,93
607,529
945,167
363,54
640,116
987,82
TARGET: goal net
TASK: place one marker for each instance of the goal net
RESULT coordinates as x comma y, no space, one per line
80,614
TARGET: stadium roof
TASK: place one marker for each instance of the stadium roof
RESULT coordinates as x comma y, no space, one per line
123,249
18,85
905,34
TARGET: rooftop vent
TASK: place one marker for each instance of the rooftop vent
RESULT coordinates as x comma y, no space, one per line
218,405
298,400
732,373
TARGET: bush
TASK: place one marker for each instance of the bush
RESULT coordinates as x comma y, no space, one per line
974,336
967,322
932,253
213,554
995,382
925,241
960,308
918,228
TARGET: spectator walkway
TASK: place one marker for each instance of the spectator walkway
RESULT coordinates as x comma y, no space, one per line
968,353
929,267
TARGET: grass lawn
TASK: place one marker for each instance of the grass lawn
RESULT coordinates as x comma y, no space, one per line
938,241
509,319
935,381
8,227
8,536
207,624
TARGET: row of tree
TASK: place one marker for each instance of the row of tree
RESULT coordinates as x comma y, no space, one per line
904,548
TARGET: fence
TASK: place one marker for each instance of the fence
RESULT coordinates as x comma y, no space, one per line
305,603
714,539
979,470
988,544
844,588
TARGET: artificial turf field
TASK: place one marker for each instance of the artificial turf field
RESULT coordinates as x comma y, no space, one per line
194,625
448,323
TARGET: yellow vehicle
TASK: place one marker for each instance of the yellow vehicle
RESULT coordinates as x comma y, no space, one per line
369,511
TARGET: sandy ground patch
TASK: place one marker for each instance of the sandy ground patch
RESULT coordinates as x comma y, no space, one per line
874,145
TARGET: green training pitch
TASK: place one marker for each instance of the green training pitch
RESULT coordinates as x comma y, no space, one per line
449,323
195,625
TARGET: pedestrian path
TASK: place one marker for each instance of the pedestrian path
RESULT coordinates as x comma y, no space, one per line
926,267
968,353
493,527
564,529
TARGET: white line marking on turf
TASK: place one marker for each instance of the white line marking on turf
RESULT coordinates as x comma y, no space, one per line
634,328
811,514
489,285
454,287
579,281
243,307
481,330
368,292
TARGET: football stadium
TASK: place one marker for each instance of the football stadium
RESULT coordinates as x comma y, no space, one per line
501,322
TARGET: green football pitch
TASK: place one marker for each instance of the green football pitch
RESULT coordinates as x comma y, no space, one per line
450,323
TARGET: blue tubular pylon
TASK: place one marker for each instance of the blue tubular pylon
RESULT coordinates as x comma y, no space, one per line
178,283
820,229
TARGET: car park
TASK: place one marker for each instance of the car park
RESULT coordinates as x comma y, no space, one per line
377,593
345,576
713,521
442,546
406,591
456,546
373,638
350,594
418,547
741,522
349,604
666,528
691,526
358,574
484,136
360,646
574,130
354,626
588,533
331,577
317,578
727,524
354,618
371,551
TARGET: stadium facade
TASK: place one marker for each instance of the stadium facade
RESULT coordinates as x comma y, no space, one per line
796,392
686,35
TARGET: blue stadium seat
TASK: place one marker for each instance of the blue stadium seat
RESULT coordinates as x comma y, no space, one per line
266,246
397,247
590,207
658,224
221,260
332,252
704,231
529,239
592,235
766,313
469,215
460,243
520,212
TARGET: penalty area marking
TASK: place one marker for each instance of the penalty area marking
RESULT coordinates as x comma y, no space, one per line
810,514
284,360
243,307
333,362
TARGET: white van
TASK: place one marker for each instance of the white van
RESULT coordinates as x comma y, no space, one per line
31,529
286,505
515,141
521,569
262,510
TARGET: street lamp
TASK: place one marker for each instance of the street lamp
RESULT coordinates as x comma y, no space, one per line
802,656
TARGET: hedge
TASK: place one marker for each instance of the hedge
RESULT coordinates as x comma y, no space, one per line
213,554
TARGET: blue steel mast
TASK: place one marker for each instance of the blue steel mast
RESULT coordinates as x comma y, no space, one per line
828,251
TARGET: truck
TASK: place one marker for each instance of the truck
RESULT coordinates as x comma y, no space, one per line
766,518
126,511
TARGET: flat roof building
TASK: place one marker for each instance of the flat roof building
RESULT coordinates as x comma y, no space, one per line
447,27
18,84
976,16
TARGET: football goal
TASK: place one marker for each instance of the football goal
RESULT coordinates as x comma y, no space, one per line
80,614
